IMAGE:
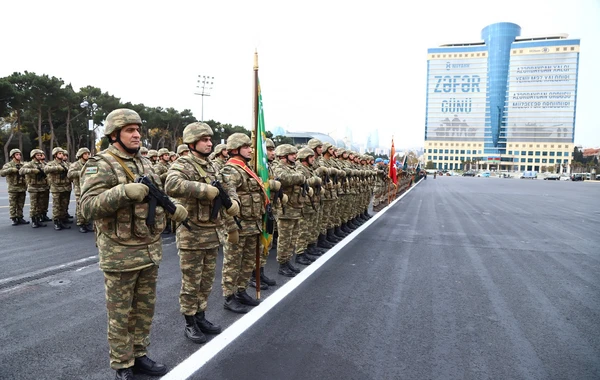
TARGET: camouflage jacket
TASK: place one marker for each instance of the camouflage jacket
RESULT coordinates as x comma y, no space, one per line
35,176
219,162
74,175
187,181
57,170
161,168
275,201
125,242
291,181
315,200
250,196
14,179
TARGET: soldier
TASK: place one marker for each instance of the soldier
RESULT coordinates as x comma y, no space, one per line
307,227
183,150
240,249
16,187
220,155
144,152
129,249
189,181
153,156
161,168
74,175
292,182
60,187
336,177
172,157
37,186
66,157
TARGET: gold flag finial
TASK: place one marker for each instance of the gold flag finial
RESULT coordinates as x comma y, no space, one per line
255,60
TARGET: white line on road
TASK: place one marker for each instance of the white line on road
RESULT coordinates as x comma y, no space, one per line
41,272
199,358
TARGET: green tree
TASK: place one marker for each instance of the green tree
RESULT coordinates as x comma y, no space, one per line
429,165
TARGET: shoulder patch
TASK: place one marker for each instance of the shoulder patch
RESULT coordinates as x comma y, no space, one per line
177,166
91,170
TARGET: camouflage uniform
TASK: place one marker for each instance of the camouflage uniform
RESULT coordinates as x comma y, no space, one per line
38,188
308,227
161,167
129,250
217,157
16,188
74,175
60,187
288,223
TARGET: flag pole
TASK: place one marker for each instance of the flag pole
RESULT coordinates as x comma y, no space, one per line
255,167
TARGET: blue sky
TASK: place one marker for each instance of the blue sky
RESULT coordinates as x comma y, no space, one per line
324,65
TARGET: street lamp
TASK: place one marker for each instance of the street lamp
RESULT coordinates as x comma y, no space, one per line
204,86
222,139
91,110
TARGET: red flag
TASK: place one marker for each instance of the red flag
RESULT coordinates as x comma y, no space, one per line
392,173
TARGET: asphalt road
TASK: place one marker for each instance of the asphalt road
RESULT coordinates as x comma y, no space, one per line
463,278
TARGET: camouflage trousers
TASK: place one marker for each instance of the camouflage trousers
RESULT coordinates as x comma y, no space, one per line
327,221
60,205
38,203
305,230
197,277
16,201
238,263
288,235
80,219
130,299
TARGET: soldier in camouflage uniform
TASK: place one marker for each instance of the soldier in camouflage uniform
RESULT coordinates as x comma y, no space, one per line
74,175
220,156
310,220
183,150
189,181
16,187
60,187
239,251
335,177
153,157
144,152
37,186
129,249
172,157
288,223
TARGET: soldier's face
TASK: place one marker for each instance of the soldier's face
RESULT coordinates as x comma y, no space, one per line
310,160
130,136
165,157
59,156
270,154
185,153
291,158
145,154
17,156
225,153
39,156
246,152
319,150
85,156
204,145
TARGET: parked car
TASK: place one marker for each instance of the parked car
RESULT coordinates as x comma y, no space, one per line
552,177
484,174
565,177
469,174
528,175
578,177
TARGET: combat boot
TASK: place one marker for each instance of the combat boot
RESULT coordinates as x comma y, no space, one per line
346,228
40,219
57,225
302,259
149,367
292,268
265,279
82,229
124,374
89,227
313,251
205,326
23,221
15,221
367,215
337,231
252,283
66,221
322,243
45,218
245,299
63,225
332,237
34,222
284,270
310,257
192,332
232,304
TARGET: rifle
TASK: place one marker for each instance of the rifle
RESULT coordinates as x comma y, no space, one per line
157,198
280,196
40,175
305,188
222,200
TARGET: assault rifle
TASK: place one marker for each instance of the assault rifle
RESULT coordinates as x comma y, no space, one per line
280,196
222,200
157,198
305,193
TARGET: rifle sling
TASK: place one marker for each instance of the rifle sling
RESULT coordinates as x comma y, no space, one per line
127,170
198,168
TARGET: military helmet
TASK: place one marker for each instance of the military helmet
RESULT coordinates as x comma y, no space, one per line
304,153
162,151
80,152
171,153
195,131
57,150
13,152
341,151
152,153
269,143
326,146
219,148
237,140
182,148
119,118
143,149
285,149
314,143
34,152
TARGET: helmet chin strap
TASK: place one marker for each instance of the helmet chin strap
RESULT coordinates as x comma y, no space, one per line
193,149
118,140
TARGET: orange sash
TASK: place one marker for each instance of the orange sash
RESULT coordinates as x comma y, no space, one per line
242,164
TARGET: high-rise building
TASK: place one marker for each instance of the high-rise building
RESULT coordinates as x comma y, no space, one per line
503,103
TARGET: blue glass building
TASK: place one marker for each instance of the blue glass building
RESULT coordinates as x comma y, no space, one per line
504,102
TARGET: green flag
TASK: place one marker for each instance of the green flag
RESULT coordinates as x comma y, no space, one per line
262,168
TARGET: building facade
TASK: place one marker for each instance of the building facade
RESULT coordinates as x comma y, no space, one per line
502,103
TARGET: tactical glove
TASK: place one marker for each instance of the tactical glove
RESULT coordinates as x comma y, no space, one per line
233,237
274,185
211,192
136,191
180,214
311,192
234,210
284,199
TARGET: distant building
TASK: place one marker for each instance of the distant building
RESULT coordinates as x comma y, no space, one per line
301,138
591,152
505,102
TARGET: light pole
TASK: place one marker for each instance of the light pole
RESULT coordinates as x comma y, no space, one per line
91,109
222,139
204,86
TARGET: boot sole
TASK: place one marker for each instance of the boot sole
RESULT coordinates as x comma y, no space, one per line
194,340
236,311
